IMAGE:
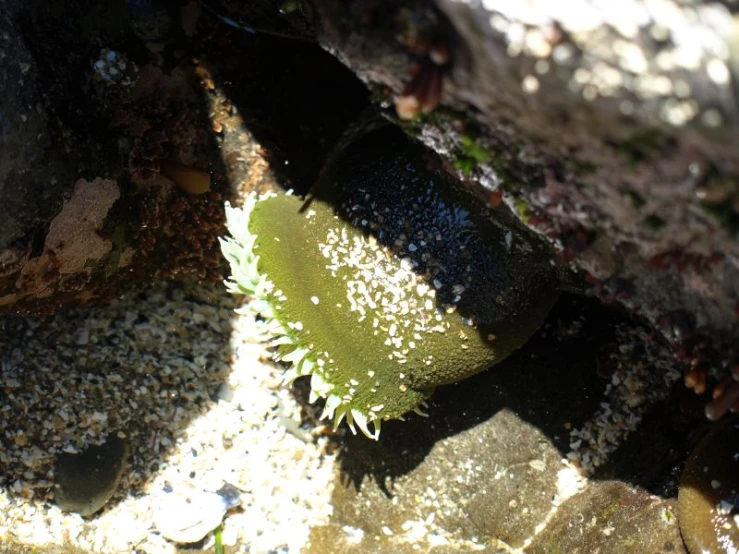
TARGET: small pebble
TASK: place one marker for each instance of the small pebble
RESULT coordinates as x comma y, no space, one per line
224,393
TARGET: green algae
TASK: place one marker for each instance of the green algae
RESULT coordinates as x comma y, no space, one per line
387,281
473,154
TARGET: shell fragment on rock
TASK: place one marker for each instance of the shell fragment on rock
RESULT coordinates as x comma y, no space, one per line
87,480
188,514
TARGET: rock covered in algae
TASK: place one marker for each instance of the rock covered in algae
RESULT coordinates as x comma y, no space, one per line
387,281
709,493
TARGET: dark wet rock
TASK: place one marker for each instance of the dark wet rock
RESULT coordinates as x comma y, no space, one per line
611,518
121,93
24,136
495,480
87,480
471,493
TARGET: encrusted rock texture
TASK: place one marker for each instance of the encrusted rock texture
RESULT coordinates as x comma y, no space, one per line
80,217
125,129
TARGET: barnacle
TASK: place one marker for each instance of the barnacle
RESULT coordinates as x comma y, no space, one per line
709,492
386,282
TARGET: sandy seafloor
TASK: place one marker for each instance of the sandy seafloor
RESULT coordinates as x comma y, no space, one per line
186,381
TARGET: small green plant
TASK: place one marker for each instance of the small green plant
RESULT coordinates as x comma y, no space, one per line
218,548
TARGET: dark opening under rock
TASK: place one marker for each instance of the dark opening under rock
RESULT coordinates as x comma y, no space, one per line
87,480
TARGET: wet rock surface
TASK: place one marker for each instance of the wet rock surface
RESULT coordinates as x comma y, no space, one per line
475,489
496,466
611,517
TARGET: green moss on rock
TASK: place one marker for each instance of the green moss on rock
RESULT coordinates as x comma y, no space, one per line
387,281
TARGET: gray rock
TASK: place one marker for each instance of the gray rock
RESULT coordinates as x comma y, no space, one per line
612,518
483,471
87,480
488,487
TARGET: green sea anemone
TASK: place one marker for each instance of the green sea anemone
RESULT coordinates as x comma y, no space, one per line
387,281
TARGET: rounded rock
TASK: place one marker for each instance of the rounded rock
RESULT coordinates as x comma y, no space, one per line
388,280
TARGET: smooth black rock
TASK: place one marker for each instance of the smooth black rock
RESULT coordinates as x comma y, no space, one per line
87,480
